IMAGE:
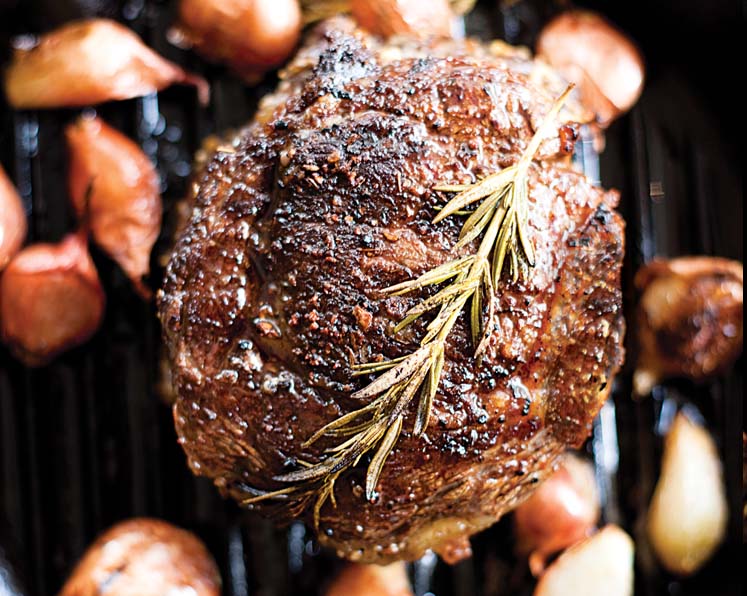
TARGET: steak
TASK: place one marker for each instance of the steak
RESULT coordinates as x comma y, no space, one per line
274,290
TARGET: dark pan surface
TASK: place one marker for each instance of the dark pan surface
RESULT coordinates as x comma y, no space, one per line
85,441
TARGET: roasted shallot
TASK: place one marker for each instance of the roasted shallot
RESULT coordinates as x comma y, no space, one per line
690,319
12,220
89,62
563,511
371,580
600,59
145,557
251,36
404,17
687,518
602,564
51,300
116,184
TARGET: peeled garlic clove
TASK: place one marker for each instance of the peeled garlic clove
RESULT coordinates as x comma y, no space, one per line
562,511
371,580
251,36
51,300
115,184
604,63
690,319
601,564
88,62
145,557
12,220
688,514
404,17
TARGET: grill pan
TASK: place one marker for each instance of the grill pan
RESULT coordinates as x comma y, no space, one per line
86,441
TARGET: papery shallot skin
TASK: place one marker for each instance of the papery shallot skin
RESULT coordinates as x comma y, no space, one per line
251,36
562,511
88,62
273,291
371,580
690,319
12,220
51,300
688,513
403,17
591,52
145,557
115,186
601,564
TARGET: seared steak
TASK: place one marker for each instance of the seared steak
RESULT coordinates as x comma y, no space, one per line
273,292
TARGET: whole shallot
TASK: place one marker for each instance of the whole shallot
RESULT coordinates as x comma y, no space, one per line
404,17
51,300
145,557
89,62
371,580
690,319
599,58
563,511
115,182
251,36
688,514
12,220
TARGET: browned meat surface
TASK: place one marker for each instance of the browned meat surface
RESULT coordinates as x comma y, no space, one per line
690,319
273,292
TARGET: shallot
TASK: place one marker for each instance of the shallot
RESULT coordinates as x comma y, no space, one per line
371,580
116,185
601,564
604,63
687,518
690,319
88,62
12,220
51,300
563,511
404,17
251,36
145,557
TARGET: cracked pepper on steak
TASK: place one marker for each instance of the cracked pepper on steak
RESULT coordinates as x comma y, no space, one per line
274,289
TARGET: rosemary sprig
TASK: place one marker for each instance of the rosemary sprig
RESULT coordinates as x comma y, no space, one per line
501,219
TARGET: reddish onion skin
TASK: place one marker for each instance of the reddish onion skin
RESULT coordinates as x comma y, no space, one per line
51,300
12,220
251,36
145,557
690,319
371,580
89,62
404,17
604,63
562,512
115,181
